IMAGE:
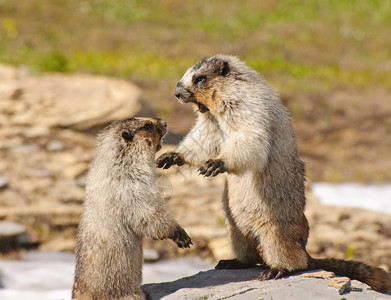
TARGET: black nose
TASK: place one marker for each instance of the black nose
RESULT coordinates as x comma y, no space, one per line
162,122
178,90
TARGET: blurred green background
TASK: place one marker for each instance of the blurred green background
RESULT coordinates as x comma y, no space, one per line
330,61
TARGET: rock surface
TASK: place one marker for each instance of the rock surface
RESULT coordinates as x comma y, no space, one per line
76,101
242,284
11,229
12,235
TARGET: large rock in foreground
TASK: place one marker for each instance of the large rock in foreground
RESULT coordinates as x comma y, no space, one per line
241,284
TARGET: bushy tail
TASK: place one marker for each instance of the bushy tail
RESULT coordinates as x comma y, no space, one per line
376,278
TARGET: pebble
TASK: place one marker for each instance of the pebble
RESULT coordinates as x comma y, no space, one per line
25,149
55,145
9,229
40,173
4,181
150,254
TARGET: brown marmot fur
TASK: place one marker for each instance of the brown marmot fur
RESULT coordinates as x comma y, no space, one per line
122,205
245,131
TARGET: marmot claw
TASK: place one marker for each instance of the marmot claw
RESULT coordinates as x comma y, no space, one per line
169,159
212,167
272,274
181,238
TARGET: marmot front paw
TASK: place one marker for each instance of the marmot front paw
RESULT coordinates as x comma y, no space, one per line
181,238
212,167
169,159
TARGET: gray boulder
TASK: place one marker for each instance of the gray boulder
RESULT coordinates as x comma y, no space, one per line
242,284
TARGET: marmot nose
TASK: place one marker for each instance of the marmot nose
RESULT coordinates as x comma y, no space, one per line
178,90
162,122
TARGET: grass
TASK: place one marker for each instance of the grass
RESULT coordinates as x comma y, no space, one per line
121,37
311,51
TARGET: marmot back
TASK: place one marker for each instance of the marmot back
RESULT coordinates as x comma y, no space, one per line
244,130
122,205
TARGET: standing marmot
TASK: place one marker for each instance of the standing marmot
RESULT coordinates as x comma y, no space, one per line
123,203
244,130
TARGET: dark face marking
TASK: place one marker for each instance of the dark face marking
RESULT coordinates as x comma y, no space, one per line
148,126
201,108
127,136
199,79
225,69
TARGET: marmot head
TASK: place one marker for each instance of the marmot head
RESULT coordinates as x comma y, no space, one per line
210,80
130,137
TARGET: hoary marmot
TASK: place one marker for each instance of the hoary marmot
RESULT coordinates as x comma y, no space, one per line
245,131
122,205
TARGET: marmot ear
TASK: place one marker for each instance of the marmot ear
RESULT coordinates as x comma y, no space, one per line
127,136
225,69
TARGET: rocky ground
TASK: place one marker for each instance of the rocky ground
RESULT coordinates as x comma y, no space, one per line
47,128
240,285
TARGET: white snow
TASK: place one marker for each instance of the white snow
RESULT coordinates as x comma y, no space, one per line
49,275
374,196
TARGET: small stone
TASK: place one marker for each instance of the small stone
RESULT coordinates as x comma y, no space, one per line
40,173
9,229
4,181
150,254
26,241
346,288
341,283
55,145
320,274
25,149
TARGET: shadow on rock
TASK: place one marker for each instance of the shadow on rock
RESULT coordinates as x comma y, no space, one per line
205,279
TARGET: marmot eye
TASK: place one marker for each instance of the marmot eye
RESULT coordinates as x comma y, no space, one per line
200,79
148,126
127,136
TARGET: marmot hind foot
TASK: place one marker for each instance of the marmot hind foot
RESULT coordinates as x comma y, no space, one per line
232,264
273,273
147,296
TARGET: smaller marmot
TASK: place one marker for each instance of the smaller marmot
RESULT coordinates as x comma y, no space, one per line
122,205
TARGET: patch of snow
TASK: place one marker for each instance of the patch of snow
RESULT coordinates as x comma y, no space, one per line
374,196
49,275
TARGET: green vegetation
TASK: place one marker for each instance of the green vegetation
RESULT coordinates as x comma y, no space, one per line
327,58
349,252
147,40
